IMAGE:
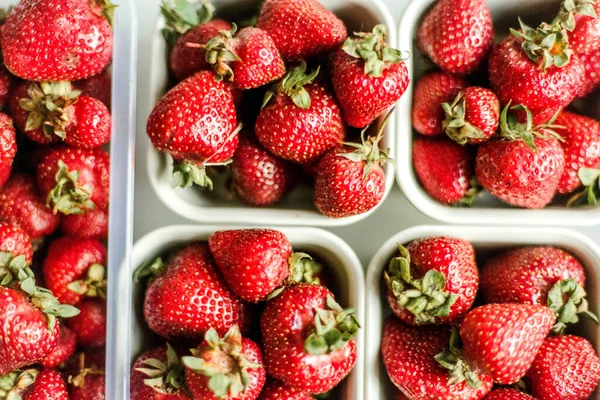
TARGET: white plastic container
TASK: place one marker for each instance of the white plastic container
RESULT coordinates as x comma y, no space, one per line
298,207
343,264
486,210
377,383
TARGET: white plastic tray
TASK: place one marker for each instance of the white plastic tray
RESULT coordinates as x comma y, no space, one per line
486,210
377,383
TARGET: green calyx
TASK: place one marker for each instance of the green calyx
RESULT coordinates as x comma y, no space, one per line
590,179
567,300
292,85
304,269
512,129
69,196
94,285
164,378
13,268
47,106
220,52
79,379
459,369
425,298
455,125
473,193
334,328
183,15
186,174
15,383
372,48
149,270
105,9
223,362
548,43
44,300
570,8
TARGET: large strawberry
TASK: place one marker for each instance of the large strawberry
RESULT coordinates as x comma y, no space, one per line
300,119
368,76
565,367
507,394
64,349
196,123
58,40
277,390
227,368
409,355
31,384
301,29
308,340
90,324
8,144
433,281
187,296
582,19
457,35
91,225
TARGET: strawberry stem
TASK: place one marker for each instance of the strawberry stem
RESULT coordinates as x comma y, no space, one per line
292,85
94,285
15,383
590,178
455,125
151,269
512,129
567,300
163,378
547,42
220,52
566,17
452,360
184,15
106,9
69,196
304,269
13,268
473,193
44,300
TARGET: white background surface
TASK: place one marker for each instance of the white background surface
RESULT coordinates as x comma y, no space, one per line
365,237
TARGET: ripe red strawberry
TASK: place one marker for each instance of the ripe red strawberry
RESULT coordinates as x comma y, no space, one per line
582,19
260,178
368,76
158,375
431,91
473,116
457,35
7,85
8,144
445,169
64,349
14,243
225,368
409,355
300,120
91,225
55,50
301,29
196,123
308,340
93,124
277,390
98,86
565,367
74,181
32,384
86,378
524,167
90,325
20,205
507,394
74,269
187,296
591,62
441,275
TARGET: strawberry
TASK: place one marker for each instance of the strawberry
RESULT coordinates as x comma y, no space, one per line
74,269
85,373
457,35
301,29
523,167
277,390
507,394
187,296
431,91
445,169
91,225
591,81
14,243
8,144
98,86
38,45
582,19
308,340
20,205
7,84
350,180
74,181
225,368
300,120
368,76
409,355
195,122
473,116
565,367
64,349
93,124
440,273
32,384
90,325
158,375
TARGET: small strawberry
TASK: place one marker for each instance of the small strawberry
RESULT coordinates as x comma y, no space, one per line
277,390
90,325
368,76
308,339
64,349
565,367
457,35
86,378
225,368
409,355
445,169
196,123
74,269
300,120
473,116
431,91
433,281
523,167
91,225
8,144
591,81
74,180
98,86
32,384
301,29
38,45
93,124
507,394
187,296
581,18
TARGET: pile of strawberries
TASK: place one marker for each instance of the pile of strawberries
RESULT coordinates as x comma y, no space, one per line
54,192
277,102
458,332
497,117
206,297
